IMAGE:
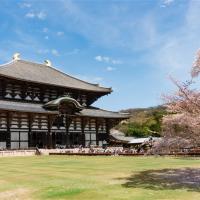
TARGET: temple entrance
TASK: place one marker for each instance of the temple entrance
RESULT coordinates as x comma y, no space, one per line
59,140
77,139
39,139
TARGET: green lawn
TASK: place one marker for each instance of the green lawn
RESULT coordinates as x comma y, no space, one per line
65,177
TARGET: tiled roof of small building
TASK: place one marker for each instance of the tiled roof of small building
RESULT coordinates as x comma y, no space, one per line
44,74
117,136
96,112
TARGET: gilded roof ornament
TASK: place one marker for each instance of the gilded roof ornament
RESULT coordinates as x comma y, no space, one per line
48,63
16,56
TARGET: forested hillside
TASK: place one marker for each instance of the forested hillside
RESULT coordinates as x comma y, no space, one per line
143,122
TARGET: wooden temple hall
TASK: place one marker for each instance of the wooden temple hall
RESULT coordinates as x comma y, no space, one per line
43,107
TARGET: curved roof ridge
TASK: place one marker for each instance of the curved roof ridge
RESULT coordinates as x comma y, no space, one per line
65,74
56,102
8,63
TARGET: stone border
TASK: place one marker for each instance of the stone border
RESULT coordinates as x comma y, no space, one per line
12,153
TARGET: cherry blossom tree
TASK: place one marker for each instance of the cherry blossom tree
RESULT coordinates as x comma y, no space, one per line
181,126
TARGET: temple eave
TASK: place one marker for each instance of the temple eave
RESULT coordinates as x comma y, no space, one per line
38,108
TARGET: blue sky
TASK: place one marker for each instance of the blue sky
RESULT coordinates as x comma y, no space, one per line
131,46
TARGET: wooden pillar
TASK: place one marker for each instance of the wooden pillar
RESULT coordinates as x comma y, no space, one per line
51,119
46,140
82,132
108,127
97,130
68,121
110,123
30,122
53,139
8,135
19,139
65,134
84,122
49,134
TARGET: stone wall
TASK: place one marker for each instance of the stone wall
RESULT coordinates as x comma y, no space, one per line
17,153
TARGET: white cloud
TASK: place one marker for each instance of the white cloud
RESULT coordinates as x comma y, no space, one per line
39,15
30,15
99,58
25,5
166,3
110,68
55,52
60,33
107,59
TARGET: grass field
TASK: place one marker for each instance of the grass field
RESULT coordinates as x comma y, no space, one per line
65,177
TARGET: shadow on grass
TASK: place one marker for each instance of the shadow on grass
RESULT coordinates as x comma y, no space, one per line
165,179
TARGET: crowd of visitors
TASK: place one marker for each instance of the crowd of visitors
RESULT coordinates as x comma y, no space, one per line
101,150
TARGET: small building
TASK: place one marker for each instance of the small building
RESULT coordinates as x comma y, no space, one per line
117,138
43,107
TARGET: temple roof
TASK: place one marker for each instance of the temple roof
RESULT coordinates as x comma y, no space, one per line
44,74
38,108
